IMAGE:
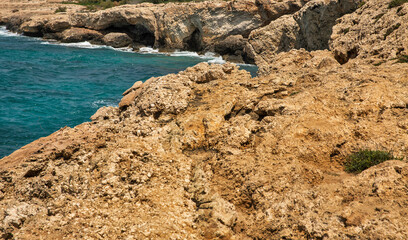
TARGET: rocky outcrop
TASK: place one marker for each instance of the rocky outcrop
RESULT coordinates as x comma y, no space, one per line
80,35
39,16
199,26
191,26
213,153
117,40
373,31
309,28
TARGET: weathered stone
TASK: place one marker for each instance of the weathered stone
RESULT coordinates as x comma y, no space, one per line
135,86
230,45
117,40
372,31
211,153
128,99
80,35
309,28
104,113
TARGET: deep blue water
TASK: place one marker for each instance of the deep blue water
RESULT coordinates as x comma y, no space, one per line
44,87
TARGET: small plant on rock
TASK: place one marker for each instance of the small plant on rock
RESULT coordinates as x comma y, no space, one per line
363,159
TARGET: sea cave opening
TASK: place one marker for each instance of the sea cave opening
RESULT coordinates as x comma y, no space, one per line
139,33
194,41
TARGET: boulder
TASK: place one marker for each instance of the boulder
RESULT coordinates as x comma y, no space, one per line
80,35
117,40
128,99
57,24
135,86
230,45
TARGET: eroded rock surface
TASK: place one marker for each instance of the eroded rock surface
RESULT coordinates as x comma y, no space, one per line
213,153
373,31
198,26
117,40
309,28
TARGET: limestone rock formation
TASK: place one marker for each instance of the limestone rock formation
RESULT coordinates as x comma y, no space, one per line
309,28
213,153
80,35
117,40
198,26
192,26
373,31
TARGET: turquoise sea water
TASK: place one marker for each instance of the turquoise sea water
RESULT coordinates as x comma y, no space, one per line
44,87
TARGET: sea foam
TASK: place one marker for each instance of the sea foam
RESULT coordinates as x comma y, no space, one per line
88,45
7,33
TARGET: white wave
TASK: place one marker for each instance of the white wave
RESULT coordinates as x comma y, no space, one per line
217,60
149,50
101,103
178,53
210,56
85,44
88,45
124,49
245,64
7,33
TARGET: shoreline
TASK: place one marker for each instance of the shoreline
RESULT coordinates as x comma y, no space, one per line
87,45
212,57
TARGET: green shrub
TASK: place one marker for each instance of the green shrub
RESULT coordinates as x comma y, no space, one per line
361,160
61,9
396,3
361,4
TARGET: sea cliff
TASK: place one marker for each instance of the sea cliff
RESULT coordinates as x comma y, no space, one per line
211,153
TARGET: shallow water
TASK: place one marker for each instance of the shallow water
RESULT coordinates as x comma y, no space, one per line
46,86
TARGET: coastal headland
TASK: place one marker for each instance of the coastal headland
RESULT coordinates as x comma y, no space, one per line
211,152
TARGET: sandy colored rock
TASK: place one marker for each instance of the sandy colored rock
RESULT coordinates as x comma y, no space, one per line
104,113
372,31
279,36
195,26
80,35
117,40
135,86
309,28
128,99
213,153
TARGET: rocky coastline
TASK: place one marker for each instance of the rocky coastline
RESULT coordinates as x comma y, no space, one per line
211,153
227,28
